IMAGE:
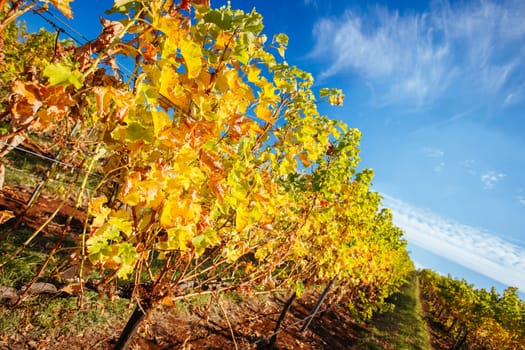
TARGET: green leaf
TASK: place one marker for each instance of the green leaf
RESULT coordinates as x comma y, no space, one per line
132,132
59,74
254,23
324,92
221,19
299,288
281,39
206,239
213,17
241,54
98,248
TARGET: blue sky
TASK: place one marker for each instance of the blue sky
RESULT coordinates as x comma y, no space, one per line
438,90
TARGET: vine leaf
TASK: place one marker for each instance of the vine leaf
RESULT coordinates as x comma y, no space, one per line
192,54
63,6
60,74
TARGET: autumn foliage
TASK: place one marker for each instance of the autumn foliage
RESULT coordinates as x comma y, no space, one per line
474,318
217,164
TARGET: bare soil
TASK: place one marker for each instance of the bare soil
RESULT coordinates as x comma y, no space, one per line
252,324
15,199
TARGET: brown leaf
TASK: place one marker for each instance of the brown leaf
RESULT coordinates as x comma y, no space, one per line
184,5
150,52
83,54
71,289
112,28
211,160
217,188
27,100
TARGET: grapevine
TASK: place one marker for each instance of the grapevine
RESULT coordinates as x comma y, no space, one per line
218,165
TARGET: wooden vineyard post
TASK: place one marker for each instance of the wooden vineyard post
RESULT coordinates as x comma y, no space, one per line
286,307
139,314
317,305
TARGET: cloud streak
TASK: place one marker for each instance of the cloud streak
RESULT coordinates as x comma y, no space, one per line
490,178
416,58
430,152
436,155
471,247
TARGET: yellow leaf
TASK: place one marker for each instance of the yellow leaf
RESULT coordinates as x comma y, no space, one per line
286,167
179,211
171,213
167,301
98,210
160,121
281,50
336,100
253,74
268,91
242,217
129,193
171,89
151,192
223,40
233,252
186,155
169,49
232,78
262,112
192,54
304,159
122,220
179,238
63,6
170,25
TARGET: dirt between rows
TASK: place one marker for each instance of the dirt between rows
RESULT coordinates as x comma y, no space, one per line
252,324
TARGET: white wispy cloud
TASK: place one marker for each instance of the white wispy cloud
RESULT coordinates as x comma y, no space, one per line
471,247
520,196
431,152
469,165
490,178
415,58
436,155
439,167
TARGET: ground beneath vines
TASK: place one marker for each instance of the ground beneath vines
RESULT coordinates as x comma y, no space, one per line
230,322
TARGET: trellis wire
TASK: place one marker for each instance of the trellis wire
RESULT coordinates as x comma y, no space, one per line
60,29
68,165
52,23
